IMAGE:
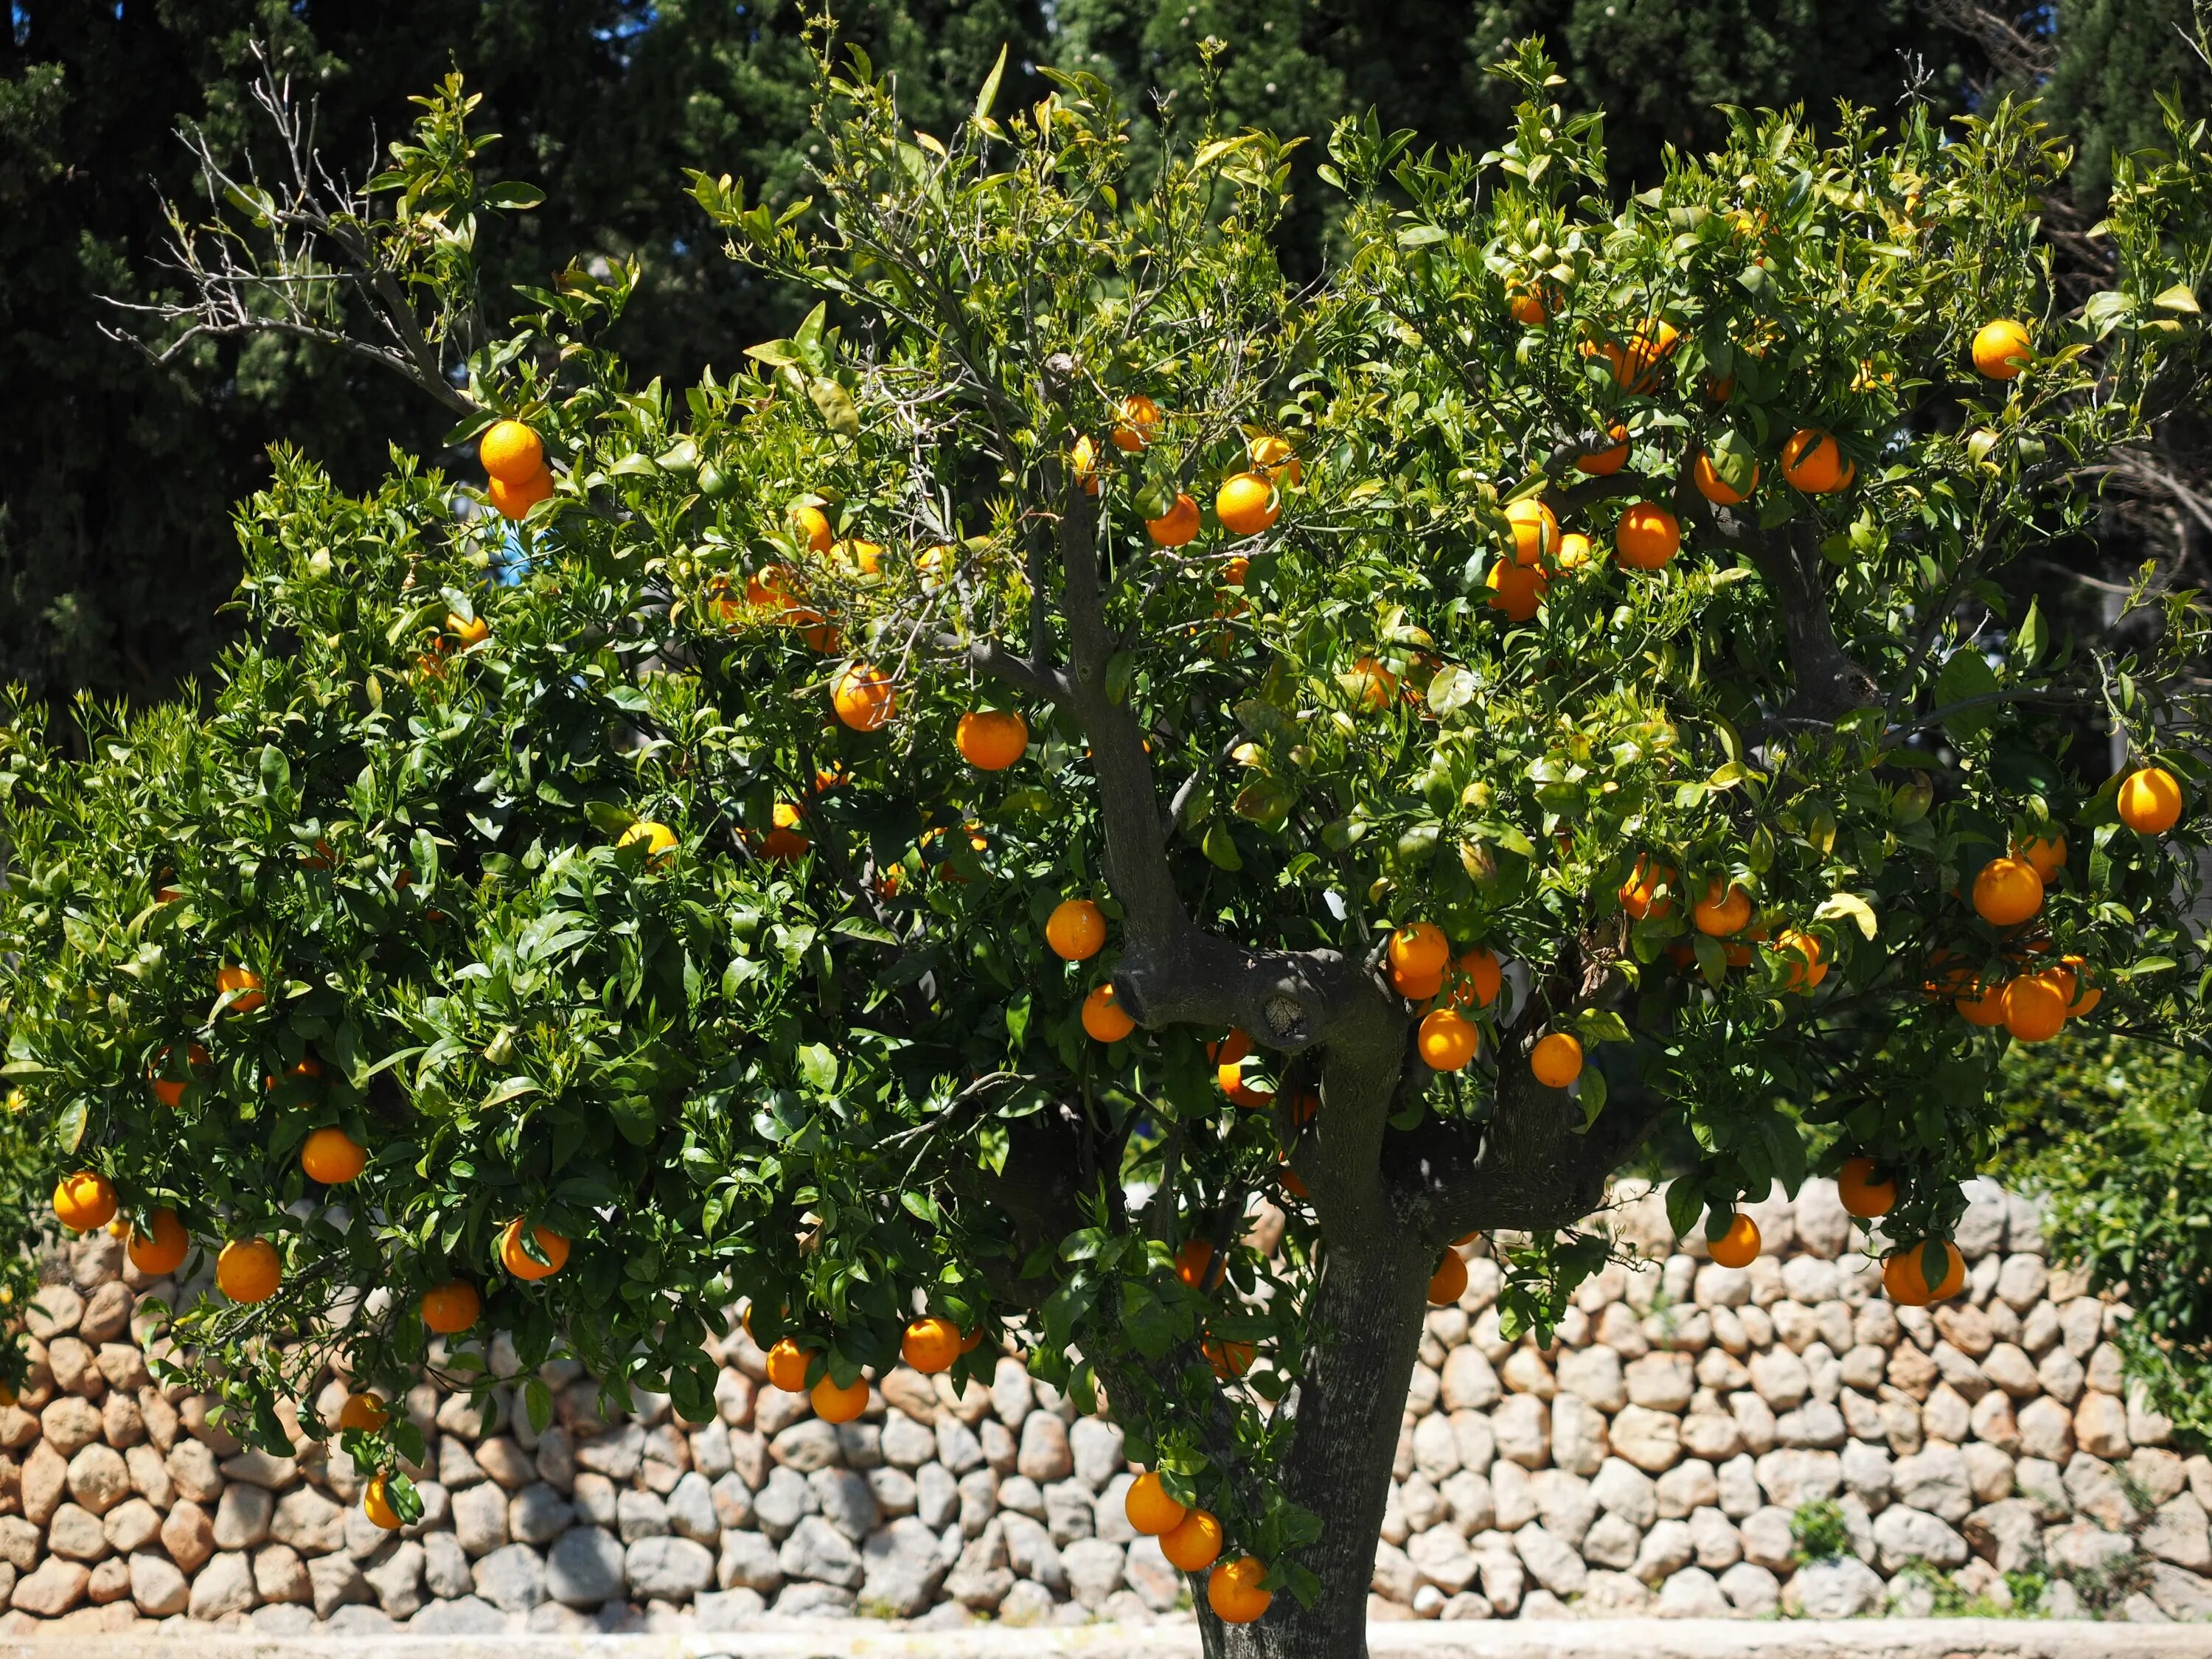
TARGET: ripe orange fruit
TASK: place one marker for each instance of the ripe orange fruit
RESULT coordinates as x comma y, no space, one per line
1416,987
1083,465
660,840
859,558
1139,415
170,1092
1646,537
1372,685
1716,489
1805,969
1575,550
1178,525
2045,854
1739,1245
1192,1542
1246,504
834,1405
1812,462
161,1250
1229,1360
451,1308
785,843
2075,974
813,528
930,1345
1528,308
1419,948
1148,1506
1607,462
1273,458
1232,1590
377,1507
364,1412
786,1365
1982,1005
1557,1059
2007,891
1905,1274
511,453
514,501
1193,1262
1862,1193
1638,892
1450,1279
469,630
864,697
1230,1049
1535,531
1076,930
1516,590
1636,366
243,981
1721,914
515,1258
991,740
332,1157
84,1200
1103,1017
2149,800
1447,1039
1480,979
247,1270
2035,1008
2001,349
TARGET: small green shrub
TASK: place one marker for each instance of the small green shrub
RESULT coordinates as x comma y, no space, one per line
1820,1532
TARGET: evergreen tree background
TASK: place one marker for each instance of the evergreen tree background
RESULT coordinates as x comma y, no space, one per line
117,479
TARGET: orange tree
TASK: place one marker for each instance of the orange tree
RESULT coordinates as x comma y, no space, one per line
919,831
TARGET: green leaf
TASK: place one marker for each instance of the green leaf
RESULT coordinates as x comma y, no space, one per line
1589,1090
2180,297
276,770
68,1127
537,1404
608,819
1848,904
1967,674
988,94
1220,847
2031,637
835,405
818,1066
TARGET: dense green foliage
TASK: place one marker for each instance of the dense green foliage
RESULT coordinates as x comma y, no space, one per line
2117,1136
2112,60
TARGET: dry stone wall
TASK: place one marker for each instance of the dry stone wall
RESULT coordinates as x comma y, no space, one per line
1650,1461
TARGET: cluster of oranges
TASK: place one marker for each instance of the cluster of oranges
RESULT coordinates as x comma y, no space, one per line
1191,1539
513,460
1723,913
930,1345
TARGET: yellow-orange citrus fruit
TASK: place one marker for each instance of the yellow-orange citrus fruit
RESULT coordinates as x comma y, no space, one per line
84,1200
1273,458
1739,1245
1246,504
2149,800
451,1308
332,1157
1103,1019
243,981
1416,987
2045,854
2077,969
1646,537
514,501
2035,1008
170,1092
1192,1542
1232,1590
991,740
1982,1005
1801,953
1863,1191
812,527
1149,1508
1721,914
1527,306
1139,415
1637,893
1178,525
930,1345
1373,686
1229,1360
864,697
511,453
1557,1059
377,1506
1193,1262
2001,349
1575,550
834,1405
1717,489
469,630
1535,531
364,1412
1450,1279
516,1258
1607,462
659,839
1083,465
786,1365
1076,930
1516,590
1636,366
1812,462
1480,979
1905,1274
1419,948
160,1249
247,1270
1447,1039
2007,891
785,843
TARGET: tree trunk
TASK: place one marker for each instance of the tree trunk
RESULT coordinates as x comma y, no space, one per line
1367,1310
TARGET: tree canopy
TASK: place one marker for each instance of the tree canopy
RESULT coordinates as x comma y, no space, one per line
918,830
